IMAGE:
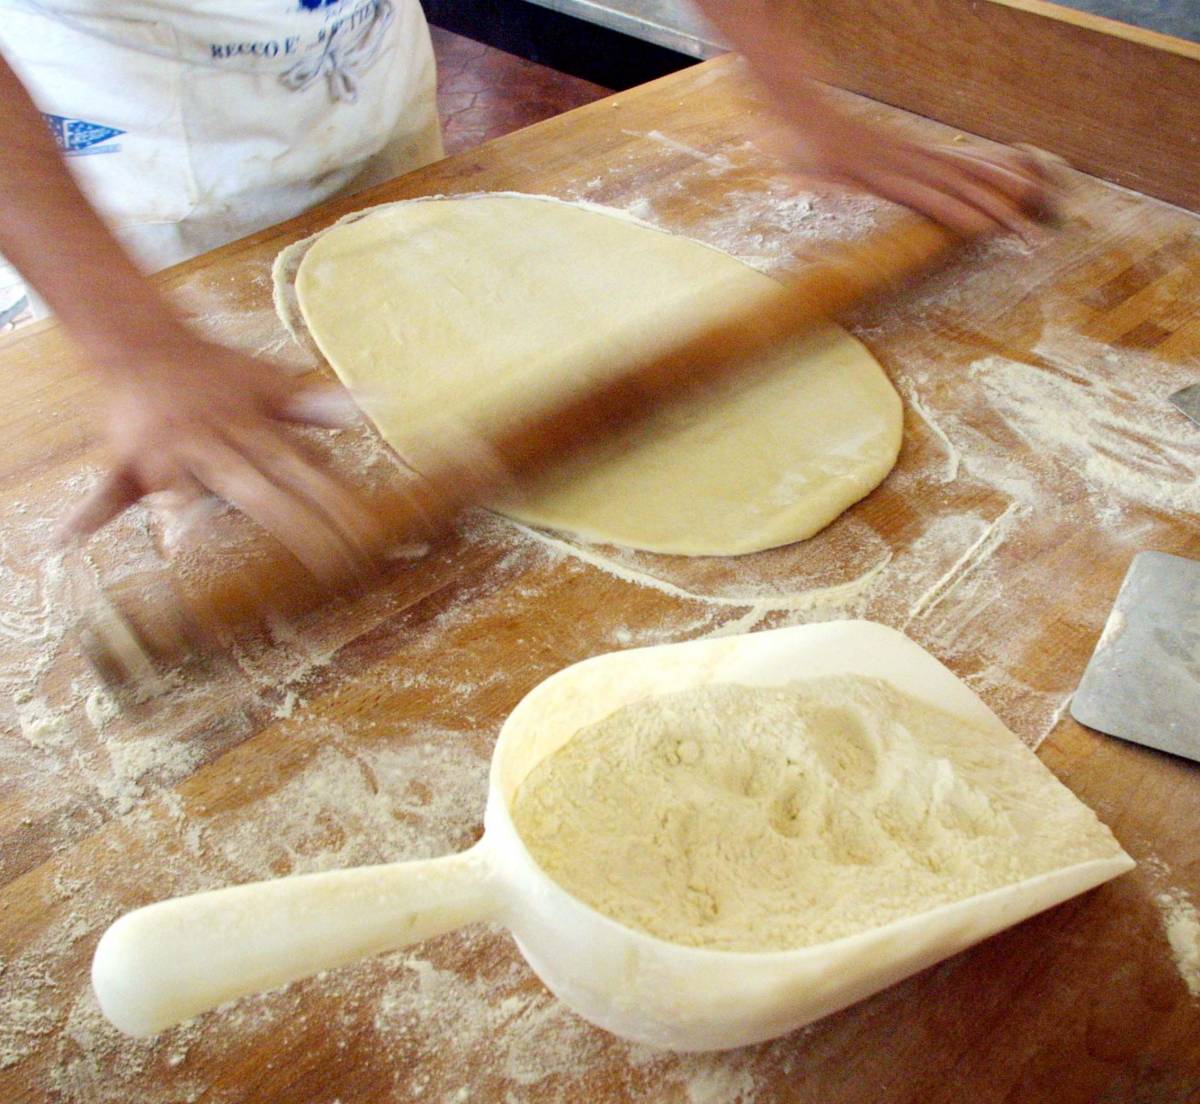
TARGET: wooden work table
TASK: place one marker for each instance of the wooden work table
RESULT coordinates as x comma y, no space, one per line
1039,456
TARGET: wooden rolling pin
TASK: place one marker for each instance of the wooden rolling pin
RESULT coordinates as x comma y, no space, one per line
146,625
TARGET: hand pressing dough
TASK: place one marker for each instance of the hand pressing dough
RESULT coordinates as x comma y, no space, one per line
754,819
458,313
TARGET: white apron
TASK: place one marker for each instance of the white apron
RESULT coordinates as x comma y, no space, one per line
192,122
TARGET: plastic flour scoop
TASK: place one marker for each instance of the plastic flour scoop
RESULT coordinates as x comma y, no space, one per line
169,961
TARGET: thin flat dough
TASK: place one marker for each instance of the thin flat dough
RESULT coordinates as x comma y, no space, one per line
459,313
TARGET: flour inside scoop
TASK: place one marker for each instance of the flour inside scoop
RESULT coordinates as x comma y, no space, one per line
769,818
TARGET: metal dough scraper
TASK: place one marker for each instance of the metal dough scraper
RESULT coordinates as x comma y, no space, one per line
1188,400
1143,681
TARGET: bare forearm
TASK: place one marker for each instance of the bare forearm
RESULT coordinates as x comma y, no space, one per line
183,415
50,232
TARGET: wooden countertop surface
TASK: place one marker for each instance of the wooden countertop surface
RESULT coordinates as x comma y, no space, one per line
1040,455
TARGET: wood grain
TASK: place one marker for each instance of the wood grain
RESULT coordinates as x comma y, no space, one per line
1035,428
1115,101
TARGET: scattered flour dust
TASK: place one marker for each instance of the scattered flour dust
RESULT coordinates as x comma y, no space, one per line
975,555
840,597
510,1040
1181,923
101,707
766,227
1100,426
721,1085
953,456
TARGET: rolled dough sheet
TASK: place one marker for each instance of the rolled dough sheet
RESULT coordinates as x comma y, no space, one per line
450,315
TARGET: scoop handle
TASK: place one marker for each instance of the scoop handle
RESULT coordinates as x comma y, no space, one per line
165,963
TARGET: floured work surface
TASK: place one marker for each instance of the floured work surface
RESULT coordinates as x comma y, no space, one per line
1039,454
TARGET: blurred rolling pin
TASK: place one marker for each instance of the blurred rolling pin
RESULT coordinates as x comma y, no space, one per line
146,625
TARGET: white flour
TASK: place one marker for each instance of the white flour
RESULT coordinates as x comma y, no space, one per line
953,456
977,554
1181,924
1100,425
770,818
839,598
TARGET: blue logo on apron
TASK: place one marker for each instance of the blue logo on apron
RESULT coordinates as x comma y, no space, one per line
76,137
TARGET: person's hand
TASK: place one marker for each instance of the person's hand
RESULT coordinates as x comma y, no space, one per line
971,193
192,418
185,416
